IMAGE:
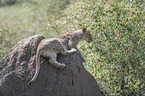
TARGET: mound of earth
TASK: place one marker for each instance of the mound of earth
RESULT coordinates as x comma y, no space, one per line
18,67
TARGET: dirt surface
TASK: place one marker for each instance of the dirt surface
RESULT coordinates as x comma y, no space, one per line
18,67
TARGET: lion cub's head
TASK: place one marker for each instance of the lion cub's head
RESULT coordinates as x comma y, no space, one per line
87,36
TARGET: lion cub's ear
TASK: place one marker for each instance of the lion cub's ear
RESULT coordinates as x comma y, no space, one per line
84,29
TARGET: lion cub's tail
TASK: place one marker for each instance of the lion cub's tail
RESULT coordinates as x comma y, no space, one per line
37,66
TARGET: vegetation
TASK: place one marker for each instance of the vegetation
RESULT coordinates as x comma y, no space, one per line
25,18
115,57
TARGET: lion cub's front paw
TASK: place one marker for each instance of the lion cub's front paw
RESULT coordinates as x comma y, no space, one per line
84,60
74,50
62,66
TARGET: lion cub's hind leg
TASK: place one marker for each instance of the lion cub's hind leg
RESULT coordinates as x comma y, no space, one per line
52,59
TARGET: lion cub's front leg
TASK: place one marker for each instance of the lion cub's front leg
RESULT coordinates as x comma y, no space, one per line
52,59
53,55
80,54
68,52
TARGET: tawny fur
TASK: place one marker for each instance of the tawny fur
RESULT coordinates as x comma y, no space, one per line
65,45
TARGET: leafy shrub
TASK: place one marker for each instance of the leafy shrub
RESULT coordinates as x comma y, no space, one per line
7,38
116,56
25,18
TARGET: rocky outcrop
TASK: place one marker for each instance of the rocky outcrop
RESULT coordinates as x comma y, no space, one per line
18,67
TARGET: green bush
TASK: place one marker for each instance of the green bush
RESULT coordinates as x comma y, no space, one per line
25,18
7,38
116,56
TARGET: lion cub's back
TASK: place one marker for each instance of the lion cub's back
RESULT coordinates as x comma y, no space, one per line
52,44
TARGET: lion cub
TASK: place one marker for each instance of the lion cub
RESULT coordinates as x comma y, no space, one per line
65,45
